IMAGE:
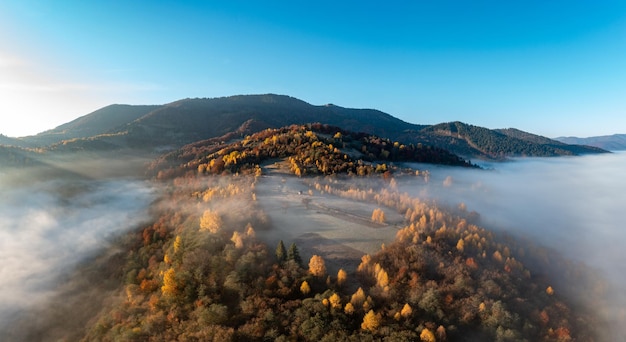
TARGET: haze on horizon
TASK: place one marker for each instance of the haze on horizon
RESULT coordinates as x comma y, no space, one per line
554,69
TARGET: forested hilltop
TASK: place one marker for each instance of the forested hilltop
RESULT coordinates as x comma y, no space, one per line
312,149
204,268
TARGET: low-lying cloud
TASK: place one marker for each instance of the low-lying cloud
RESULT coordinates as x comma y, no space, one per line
48,227
572,205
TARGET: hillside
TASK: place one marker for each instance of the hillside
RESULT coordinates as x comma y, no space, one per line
313,149
109,119
470,140
17,142
615,142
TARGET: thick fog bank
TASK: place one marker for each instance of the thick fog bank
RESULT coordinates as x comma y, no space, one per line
575,205
47,227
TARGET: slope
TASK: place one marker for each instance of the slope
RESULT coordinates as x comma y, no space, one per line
470,140
105,120
615,142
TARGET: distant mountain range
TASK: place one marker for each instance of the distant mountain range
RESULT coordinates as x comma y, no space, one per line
615,142
167,127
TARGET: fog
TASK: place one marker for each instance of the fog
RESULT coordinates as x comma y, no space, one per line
48,227
574,205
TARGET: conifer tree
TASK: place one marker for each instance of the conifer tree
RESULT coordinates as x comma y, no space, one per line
293,254
281,253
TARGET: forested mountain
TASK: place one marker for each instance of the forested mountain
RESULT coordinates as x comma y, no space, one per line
182,122
615,142
470,140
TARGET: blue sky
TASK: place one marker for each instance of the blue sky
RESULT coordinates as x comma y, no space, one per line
549,67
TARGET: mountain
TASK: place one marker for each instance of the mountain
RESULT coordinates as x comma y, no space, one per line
474,141
615,142
102,121
170,126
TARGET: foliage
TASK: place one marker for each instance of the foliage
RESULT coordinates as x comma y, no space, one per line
186,283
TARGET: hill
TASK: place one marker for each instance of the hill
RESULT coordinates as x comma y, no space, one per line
17,142
312,149
469,140
170,126
615,142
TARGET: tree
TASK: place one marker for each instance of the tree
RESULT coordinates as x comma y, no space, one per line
305,288
378,215
210,221
317,266
406,311
293,254
358,297
349,309
371,321
341,277
427,335
281,253
335,301
237,239
177,244
169,288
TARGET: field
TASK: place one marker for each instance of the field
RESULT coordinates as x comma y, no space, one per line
339,230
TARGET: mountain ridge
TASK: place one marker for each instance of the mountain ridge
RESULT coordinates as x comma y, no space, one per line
614,142
173,125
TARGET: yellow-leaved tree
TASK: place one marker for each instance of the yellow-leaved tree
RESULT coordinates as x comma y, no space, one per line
406,311
349,309
305,288
210,221
169,288
378,215
427,336
371,321
342,276
335,301
317,267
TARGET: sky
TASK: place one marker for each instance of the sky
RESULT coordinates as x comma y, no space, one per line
555,68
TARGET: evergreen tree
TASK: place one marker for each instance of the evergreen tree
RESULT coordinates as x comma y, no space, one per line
293,254
281,253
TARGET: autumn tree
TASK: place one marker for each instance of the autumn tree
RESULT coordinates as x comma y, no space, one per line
349,309
210,221
427,335
358,298
237,239
371,321
378,216
305,288
335,301
317,266
342,276
406,311
170,287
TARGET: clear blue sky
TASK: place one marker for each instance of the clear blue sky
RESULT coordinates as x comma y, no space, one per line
549,67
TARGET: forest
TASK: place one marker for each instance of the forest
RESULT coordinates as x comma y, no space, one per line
201,271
